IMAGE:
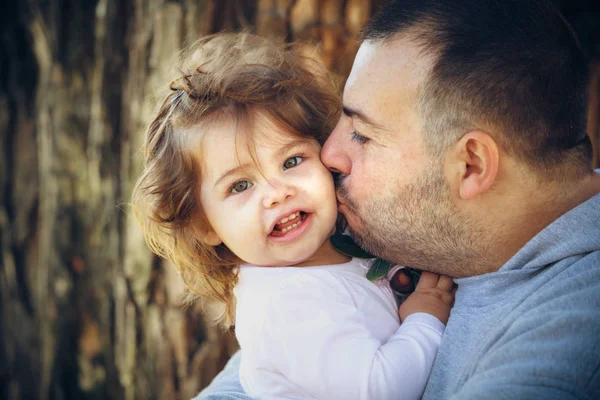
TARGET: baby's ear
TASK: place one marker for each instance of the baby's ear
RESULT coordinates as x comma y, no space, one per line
211,238
202,230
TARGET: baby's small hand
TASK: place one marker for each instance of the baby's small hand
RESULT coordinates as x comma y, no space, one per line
433,295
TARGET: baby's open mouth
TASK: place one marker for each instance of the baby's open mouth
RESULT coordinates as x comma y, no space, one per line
289,223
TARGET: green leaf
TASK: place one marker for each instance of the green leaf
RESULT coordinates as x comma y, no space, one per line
346,245
379,269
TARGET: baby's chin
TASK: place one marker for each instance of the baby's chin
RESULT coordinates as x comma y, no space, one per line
261,262
280,264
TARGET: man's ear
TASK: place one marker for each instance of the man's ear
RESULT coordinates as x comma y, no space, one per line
476,158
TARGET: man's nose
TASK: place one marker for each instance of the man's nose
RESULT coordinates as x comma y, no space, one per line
335,153
277,192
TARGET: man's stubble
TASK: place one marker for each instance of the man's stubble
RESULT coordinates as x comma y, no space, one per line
419,226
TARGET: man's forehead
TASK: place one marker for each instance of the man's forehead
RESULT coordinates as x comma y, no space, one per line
395,63
385,82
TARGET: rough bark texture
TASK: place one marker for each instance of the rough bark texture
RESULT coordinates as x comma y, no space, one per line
86,312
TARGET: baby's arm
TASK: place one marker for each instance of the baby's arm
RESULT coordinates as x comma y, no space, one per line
318,338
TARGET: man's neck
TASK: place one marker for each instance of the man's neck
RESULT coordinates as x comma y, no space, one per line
539,209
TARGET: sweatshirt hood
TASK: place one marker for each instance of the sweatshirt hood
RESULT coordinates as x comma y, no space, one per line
574,234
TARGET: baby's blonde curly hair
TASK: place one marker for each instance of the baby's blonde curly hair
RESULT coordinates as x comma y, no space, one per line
231,75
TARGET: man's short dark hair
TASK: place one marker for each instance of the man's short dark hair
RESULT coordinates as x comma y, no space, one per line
513,68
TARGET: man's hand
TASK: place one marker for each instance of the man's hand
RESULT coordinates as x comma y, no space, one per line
433,295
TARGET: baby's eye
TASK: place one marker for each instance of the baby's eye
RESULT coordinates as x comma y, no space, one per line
240,186
292,162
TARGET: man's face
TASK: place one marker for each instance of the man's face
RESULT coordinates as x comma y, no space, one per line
390,189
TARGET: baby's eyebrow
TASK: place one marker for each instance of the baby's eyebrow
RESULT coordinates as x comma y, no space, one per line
282,150
292,145
232,171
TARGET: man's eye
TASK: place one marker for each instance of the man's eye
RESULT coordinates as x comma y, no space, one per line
292,162
358,138
240,186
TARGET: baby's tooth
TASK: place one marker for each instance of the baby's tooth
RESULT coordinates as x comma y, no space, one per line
283,221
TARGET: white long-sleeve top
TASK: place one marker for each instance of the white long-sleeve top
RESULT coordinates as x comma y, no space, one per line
326,332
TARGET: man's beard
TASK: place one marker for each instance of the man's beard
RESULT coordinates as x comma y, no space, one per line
418,226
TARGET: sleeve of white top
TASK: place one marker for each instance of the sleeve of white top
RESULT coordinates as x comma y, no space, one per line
318,339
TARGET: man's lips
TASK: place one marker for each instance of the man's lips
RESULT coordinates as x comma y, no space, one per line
345,209
341,203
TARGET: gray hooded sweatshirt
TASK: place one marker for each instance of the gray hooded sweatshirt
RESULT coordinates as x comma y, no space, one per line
532,329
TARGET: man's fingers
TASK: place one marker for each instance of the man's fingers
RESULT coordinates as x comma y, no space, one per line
428,280
445,283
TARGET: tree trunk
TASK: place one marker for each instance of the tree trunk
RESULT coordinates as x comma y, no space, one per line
86,311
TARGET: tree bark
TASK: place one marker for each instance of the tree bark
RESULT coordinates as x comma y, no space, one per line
86,311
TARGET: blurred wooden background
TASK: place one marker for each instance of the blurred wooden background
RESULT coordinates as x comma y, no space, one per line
86,312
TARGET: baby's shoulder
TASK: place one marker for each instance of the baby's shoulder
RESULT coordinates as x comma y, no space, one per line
272,280
332,280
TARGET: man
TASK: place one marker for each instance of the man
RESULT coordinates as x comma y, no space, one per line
462,150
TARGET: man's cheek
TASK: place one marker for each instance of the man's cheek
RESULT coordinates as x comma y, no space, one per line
362,188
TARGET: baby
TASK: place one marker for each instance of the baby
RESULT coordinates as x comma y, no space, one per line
235,195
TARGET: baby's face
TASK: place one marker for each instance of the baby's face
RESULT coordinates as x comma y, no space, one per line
272,202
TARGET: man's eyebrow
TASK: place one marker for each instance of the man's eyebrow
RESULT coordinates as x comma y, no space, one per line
232,171
353,113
